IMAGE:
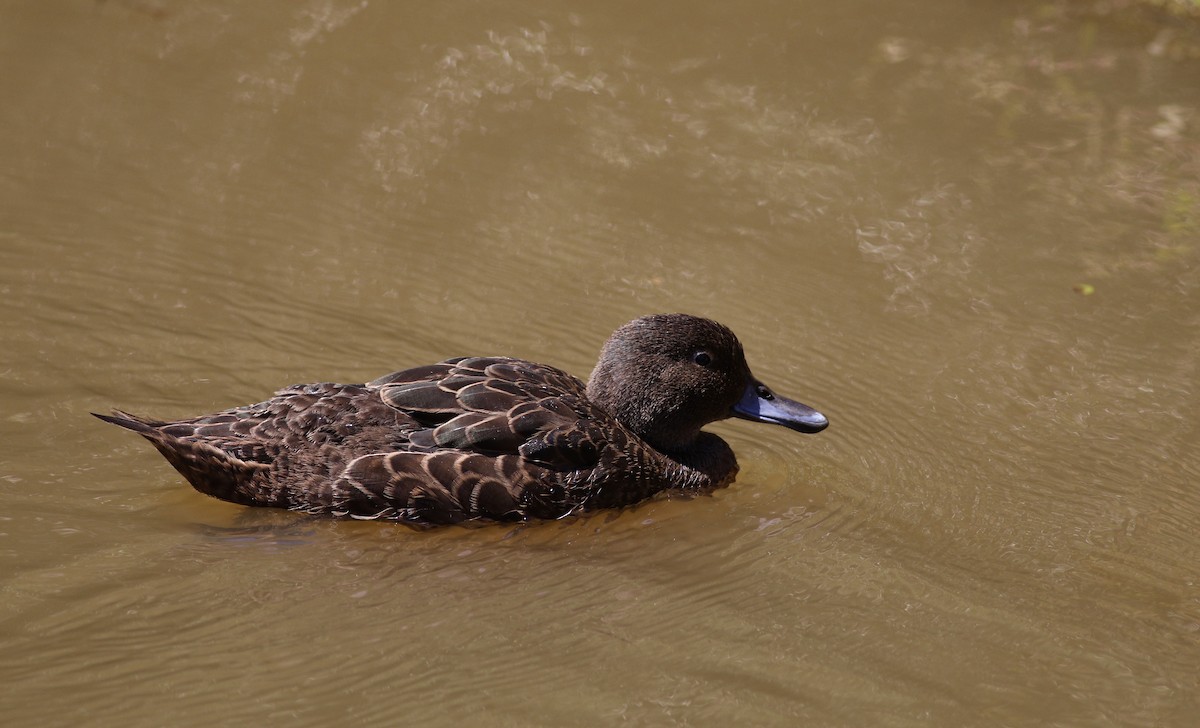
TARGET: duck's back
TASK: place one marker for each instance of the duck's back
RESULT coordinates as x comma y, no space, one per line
466,439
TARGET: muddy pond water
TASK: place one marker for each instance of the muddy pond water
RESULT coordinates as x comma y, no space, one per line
968,232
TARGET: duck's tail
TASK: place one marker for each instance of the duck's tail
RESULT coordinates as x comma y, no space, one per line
222,473
143,425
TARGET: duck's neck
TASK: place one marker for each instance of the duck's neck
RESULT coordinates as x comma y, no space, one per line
704,463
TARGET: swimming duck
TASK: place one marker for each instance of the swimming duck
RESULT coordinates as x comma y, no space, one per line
488,438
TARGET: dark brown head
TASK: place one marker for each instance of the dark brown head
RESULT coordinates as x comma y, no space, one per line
668,375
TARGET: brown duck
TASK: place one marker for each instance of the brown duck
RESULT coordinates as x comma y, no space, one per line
488,438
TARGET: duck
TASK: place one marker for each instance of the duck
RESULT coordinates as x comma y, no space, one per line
488,439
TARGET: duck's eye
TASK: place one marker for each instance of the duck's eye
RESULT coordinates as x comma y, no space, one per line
765,393
703,358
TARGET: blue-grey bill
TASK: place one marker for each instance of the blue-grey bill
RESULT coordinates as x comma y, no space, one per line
762,405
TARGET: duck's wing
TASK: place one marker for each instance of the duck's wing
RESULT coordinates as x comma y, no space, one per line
502,439
496,406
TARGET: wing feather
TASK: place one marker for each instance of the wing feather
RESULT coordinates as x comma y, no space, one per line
498,406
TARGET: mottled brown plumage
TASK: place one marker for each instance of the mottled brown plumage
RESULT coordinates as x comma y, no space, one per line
488,438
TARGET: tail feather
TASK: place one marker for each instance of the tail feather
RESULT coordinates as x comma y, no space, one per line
130,422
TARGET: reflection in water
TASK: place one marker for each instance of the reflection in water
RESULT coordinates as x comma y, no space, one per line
893,206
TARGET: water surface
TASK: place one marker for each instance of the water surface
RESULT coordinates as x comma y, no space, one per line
966,232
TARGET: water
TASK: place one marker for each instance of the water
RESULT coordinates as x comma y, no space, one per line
966,232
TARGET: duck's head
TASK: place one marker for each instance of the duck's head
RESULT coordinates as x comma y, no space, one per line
668,375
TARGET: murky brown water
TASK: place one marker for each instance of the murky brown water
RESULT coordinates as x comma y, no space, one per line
890,202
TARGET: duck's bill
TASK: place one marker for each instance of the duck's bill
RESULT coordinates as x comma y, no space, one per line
760,404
